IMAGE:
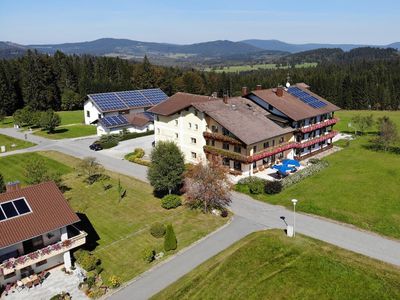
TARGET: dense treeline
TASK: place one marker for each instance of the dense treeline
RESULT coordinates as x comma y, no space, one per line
61,82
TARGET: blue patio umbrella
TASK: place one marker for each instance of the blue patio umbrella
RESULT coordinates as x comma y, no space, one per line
291,162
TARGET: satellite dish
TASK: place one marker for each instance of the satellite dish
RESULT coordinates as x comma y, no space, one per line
287,84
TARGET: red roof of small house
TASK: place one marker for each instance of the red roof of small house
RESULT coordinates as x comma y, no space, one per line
49,211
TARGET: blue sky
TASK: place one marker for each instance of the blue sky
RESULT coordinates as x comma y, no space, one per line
188,21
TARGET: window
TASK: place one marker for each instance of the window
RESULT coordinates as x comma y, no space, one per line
273,143
281,140
254,164
214,128
266,145
254,149
194,155
193,140
41,263
190,125
225,146
8,276
195,112
237,149
176,135
226,161
280,155
88,114
212,143
99,116
266,160
237,165
196,127
176,122
225,131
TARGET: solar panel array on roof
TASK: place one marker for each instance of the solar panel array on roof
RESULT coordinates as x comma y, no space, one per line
114,121
128,99
14,208
305,97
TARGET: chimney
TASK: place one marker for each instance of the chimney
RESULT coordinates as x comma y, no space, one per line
225,99
279,91
258,87
244,91
12,186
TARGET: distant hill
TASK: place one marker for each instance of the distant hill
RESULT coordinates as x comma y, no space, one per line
110,46
294,48
11,50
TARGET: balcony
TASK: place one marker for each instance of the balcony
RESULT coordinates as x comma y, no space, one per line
319,125
317,140
221,137
225,153
273,150
47,252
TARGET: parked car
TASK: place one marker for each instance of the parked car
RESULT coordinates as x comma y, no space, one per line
96,146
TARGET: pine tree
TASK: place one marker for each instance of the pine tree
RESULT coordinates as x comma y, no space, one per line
170,241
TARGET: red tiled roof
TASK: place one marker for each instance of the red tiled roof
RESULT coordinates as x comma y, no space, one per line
50,211
178,102
138,119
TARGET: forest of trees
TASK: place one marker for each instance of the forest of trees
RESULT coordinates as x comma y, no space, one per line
61,82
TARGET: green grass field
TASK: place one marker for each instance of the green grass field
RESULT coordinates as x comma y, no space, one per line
7,122
359,187
122,227
13,167
243,68
71,117
268,265
68,131
10,141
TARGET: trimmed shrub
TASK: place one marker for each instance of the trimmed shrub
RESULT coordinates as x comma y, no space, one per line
109,140
273,187
157,230
132,135
170,242
314,161
90,280
149,255
256,185
224,213
313,168
171,201
114,281
86,260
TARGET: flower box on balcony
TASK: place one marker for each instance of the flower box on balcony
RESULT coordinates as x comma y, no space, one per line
221,137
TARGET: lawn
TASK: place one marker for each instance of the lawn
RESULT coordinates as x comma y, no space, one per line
346,115
13,166
268,265
68,131
71,117
10,141
7,122
123,227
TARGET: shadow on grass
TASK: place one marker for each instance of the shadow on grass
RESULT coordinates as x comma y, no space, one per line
60,130
92,237
380,148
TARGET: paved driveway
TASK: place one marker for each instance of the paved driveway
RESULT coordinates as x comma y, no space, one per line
128,146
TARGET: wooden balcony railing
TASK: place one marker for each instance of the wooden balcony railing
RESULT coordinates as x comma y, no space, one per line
319,125
317,140
29,259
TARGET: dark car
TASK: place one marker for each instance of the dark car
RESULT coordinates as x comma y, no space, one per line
96,146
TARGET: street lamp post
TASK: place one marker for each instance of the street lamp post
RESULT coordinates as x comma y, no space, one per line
294,201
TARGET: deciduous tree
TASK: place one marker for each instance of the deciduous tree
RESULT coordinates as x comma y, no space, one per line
167,167
49,120
388,133
362,123
207,186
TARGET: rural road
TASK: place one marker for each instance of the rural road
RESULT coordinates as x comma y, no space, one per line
250,216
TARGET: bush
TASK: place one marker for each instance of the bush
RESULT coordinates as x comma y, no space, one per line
90,280
114,281
171,201
314,161
86,260
170,242
294,178
157,230
132,135
224,213
108,141
256,185
139,152
273,187
149,255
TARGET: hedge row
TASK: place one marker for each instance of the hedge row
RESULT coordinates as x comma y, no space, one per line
315,167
